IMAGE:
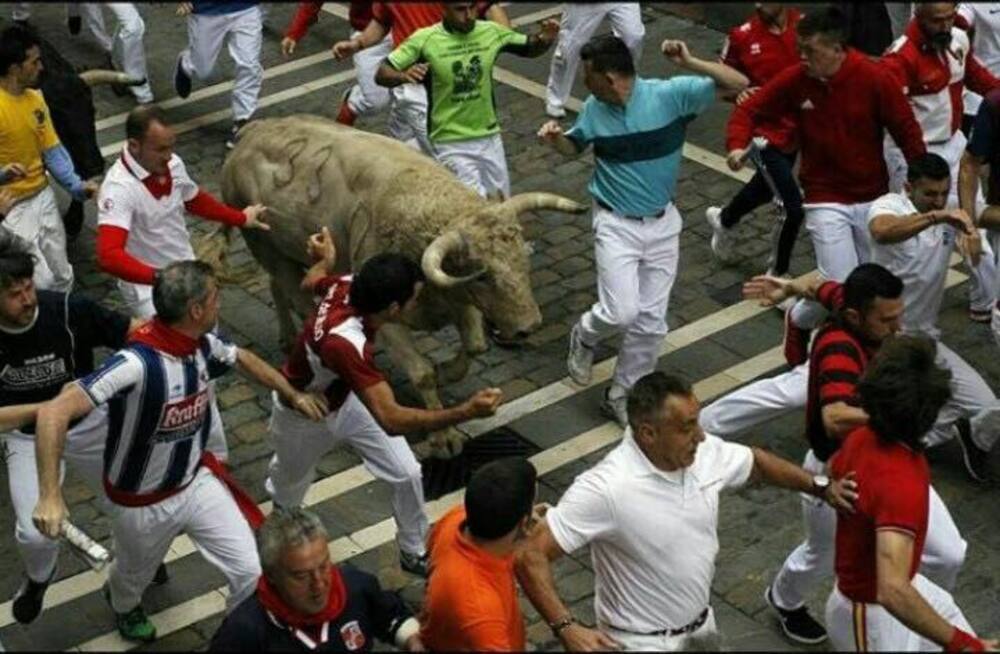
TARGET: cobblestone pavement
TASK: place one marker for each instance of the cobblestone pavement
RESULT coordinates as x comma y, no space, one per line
758,526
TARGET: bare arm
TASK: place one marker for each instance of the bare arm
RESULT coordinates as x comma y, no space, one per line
552,134
968,182
18,415
498,15
373,33
894,552
839,418
253,366
771,290
398,419
728,79
389,77
50,438
773,470
891,228
322,251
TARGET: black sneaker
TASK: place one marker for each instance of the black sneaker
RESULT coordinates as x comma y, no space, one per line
28,600
975,457
73,24
798,625
415,564
234,137
162,576
182,81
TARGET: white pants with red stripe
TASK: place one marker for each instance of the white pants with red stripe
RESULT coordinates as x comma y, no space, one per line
480,164
208,514
841,241
299,444
982,282
869,627
578,23
36,219
242,32
366,97
408,117
636,268
83,453
812,561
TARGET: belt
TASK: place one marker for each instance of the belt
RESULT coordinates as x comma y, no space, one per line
680,631
604,206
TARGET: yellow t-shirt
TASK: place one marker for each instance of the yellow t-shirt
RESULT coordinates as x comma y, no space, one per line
25,132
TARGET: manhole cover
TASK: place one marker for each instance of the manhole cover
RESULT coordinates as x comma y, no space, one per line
442,476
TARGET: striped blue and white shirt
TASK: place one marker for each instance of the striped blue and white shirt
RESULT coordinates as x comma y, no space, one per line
158,416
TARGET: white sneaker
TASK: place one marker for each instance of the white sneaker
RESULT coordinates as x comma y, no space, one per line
554,111
722,237
580,361
615,408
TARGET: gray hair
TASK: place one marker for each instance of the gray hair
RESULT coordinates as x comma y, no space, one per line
177,286
286,528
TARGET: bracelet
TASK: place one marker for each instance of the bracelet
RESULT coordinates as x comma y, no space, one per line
962,641
561,624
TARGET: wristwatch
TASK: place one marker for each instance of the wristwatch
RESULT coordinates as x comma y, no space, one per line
561,624
820,484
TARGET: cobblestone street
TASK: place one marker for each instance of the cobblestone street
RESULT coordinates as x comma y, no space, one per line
716,341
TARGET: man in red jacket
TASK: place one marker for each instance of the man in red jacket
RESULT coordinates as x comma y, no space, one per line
761,48
365,97
934,64
842,104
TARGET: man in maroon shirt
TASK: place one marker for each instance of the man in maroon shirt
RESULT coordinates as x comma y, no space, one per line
761,48
880,601
842,104
865,311
335,355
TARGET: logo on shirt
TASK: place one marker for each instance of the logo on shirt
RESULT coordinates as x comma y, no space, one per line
467,78
755,48
107,204
37,372
353,637
182,418
807,104
39,117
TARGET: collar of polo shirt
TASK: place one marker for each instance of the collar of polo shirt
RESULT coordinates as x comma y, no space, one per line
134,166
641,464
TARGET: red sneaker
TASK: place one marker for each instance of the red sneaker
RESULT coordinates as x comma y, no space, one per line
796,343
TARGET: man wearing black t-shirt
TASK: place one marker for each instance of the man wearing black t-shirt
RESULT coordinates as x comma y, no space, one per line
46,340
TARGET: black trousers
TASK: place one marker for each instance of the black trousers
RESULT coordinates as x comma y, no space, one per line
756,192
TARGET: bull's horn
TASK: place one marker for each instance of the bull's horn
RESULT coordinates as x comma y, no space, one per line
435,253
94,78
536,200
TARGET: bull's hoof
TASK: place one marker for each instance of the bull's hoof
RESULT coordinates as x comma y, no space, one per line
505,343
447,443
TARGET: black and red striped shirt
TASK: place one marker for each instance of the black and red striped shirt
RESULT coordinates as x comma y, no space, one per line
838,357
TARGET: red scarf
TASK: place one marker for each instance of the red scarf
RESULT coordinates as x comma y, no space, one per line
271,601
158,187
158,335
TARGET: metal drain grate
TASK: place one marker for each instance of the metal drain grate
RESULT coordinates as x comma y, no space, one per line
442,476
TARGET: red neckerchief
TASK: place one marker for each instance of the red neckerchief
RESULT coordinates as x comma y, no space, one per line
159,336
271,601
158,187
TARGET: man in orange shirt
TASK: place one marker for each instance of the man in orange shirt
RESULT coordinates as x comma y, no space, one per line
471,601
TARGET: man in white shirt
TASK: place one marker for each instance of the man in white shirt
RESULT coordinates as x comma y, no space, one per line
649,511
913,236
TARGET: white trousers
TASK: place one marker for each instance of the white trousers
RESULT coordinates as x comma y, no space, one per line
636,268
139,300
705,638
579,22
812,561
849,622
983,277
84,453
767,399
366,97
208,514
840,239
125,46
242,33
37,220
480,164
408,117
299,443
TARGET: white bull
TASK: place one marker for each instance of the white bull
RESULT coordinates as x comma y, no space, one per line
377,195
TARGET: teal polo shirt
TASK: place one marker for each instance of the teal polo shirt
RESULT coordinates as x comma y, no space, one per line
638,146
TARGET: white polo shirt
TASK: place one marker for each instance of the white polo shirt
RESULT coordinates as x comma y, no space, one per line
158,234
984,17
921,261
652,534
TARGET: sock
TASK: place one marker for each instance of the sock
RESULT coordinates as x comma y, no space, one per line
346,115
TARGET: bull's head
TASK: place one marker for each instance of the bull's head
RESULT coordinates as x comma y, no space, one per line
489,261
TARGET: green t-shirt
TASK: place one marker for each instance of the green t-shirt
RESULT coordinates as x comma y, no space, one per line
460,76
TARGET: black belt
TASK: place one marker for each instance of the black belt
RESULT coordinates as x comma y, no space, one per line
604,206
686,629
